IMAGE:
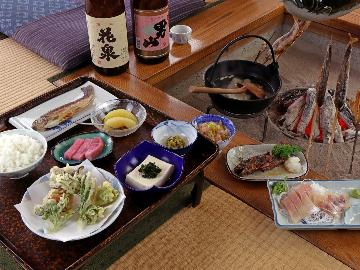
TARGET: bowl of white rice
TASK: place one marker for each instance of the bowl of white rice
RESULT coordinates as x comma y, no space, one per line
21,151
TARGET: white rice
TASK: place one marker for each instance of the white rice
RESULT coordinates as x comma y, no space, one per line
18,152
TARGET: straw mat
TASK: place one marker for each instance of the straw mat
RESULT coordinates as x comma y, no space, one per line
23,75
223,233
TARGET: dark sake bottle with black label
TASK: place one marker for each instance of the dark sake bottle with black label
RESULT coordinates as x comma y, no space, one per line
107,30
151,30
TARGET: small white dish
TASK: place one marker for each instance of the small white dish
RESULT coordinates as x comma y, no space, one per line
20,173
180,34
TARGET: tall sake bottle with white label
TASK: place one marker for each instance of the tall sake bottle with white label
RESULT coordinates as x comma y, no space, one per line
151,30
107,30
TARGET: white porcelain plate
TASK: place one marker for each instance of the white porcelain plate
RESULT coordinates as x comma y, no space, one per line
26,119
78,234
244,152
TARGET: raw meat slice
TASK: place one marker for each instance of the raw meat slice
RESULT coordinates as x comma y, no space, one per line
95,148
80,154
288,205
73,148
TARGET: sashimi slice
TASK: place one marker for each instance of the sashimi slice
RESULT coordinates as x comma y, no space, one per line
80,154
307,206
95,148
287,204
73,148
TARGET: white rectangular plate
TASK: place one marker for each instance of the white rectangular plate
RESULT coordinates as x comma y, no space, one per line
282,222
26,119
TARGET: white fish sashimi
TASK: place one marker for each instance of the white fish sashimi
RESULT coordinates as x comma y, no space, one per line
309,109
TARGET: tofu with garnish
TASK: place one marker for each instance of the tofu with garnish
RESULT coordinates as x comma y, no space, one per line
136,180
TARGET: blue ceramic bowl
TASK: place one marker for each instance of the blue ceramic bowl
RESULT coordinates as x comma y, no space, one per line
226,122
168,128
135,156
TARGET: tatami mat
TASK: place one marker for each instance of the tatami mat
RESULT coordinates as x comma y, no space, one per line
223,233
23,75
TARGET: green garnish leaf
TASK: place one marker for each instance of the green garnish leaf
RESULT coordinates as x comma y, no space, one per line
285,150
279,187
355,193
149,170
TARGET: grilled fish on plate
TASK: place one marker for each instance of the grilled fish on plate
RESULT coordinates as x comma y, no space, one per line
65,112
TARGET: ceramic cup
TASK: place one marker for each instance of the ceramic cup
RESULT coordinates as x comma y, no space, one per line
180,34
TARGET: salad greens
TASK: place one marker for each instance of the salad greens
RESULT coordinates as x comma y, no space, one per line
66,183
285,150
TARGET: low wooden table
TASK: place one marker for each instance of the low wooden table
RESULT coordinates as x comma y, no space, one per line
34,252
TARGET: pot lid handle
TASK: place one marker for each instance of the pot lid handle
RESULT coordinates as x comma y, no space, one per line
274,65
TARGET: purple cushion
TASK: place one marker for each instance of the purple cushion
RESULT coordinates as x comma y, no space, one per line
62,38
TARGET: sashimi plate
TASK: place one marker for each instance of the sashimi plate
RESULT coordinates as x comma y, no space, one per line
59,149
71,230
26,119
244,152
350,220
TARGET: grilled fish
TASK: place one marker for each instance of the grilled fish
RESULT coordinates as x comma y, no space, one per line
294,113
308,112
56,116
324,76
343,80
286,41
327,115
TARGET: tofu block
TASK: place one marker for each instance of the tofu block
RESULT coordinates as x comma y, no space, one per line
135,179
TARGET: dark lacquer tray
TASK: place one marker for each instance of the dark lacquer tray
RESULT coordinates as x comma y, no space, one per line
34,252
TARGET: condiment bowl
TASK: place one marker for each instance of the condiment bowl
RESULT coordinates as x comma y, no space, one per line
130,105
20,173
169,128
226,122
130,160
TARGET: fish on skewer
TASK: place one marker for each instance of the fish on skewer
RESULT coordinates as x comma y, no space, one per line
308,112
286,41
293,114
321,85
59,115
343,80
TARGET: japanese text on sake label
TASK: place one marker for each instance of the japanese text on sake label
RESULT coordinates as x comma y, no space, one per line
152,31
108,41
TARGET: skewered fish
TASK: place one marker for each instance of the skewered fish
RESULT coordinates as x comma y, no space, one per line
308,112
56,116
343,80
287,40
327,115
324,76
293,114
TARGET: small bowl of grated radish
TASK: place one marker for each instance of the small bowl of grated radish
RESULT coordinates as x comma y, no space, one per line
22,150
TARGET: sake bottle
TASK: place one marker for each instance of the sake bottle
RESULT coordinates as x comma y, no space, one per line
107,31
151,30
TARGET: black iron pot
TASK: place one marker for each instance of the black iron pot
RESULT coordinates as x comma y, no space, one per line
266,76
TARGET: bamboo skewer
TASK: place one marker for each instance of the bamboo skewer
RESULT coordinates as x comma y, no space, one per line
313,122
354,149
331,144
